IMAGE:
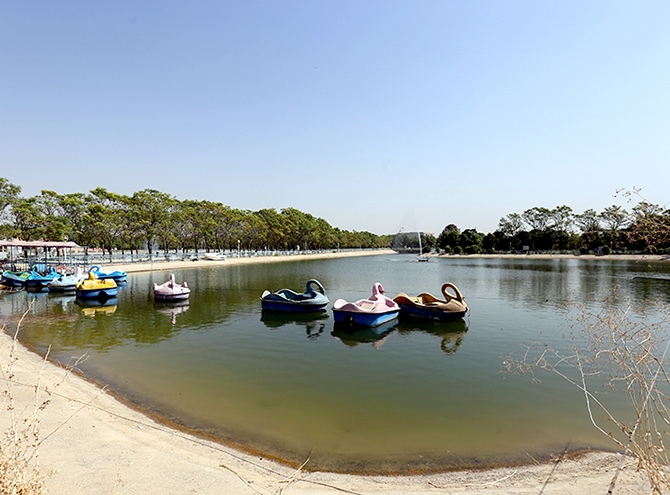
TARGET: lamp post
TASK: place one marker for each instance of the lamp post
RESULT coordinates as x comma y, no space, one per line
238,248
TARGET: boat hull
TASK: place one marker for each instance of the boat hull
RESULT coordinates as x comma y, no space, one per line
170,297
360,319
62,287
11,279
37,285
99,294
419,313
292,307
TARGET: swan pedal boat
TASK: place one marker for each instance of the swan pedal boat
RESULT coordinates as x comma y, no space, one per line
95,288
425,306
116,275
372,312
14,280
66,282
171,291
38,281
313,299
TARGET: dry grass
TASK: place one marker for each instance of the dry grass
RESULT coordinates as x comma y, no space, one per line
19,462
628,352
19,445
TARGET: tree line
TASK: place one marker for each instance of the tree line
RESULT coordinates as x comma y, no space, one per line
645,228
150,219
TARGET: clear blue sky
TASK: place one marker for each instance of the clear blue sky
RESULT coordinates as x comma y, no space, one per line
374,115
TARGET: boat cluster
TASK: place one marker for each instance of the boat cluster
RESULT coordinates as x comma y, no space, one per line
99,285
370,312
93,285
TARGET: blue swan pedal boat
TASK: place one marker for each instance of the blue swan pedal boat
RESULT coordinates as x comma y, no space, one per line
313,299
38,281
116,275
14,280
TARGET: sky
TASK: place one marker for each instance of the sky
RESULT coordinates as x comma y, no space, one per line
373,115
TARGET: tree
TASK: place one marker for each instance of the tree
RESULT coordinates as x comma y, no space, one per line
471,241
9,193
450,236
561,218
511,224
151,211
28,220
615,218
537,218
650,229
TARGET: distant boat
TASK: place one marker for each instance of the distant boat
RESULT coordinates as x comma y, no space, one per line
214,256
421,256
370,312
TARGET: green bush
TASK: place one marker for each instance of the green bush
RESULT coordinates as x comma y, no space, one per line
473,249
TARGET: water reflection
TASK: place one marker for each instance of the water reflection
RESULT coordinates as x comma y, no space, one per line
351,337
450,333
93,307
314,323
651,288
172,309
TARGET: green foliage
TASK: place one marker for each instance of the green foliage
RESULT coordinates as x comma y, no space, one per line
153,219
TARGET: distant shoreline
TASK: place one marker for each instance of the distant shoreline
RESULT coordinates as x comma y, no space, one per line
145,266
548,256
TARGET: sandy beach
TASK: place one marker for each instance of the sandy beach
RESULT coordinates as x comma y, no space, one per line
90,442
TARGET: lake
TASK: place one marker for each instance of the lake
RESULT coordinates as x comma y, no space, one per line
415,397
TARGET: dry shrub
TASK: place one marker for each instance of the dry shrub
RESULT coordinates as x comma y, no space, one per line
627,350
19,466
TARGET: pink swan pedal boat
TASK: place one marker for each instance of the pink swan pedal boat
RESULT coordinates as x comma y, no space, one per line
425,306
372,312
171,291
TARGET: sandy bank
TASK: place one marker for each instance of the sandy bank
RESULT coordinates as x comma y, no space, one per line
92,443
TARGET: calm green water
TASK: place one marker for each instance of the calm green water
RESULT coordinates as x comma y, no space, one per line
418,396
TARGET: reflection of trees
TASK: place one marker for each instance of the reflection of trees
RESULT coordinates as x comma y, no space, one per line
451,333
67,323
651,288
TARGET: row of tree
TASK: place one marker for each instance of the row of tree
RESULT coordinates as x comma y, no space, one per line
151,218
646,228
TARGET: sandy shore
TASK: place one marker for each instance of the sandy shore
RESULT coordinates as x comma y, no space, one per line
90,442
